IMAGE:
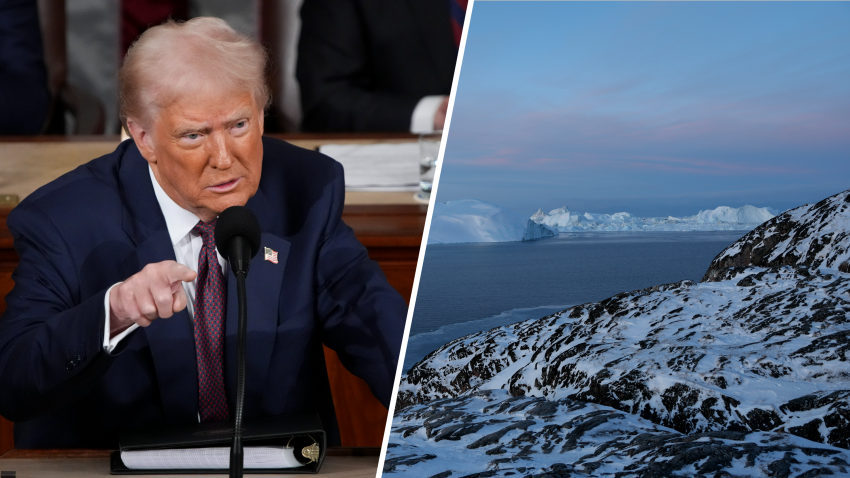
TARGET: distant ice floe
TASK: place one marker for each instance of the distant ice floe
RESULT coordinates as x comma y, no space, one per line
470,220
722,218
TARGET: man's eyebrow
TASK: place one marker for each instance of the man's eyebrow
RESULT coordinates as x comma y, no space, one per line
200,128
246,113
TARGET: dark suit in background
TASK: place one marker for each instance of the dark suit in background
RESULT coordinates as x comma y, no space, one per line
24,97
363,65
101,223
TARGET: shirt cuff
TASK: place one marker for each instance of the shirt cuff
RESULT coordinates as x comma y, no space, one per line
422,121
110,344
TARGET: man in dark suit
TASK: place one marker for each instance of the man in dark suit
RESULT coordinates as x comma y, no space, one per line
24,97
367,65
97,337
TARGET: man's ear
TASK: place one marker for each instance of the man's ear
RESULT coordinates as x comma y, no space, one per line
143,140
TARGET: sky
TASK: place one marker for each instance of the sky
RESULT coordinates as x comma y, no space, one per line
654,108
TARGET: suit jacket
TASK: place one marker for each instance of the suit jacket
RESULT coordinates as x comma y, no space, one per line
363,65
101,223
24,97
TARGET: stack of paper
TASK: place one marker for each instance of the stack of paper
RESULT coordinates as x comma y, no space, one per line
377,167
209,458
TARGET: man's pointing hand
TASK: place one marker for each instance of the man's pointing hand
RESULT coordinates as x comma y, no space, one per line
154,292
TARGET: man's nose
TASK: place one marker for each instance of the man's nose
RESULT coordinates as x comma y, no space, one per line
220,156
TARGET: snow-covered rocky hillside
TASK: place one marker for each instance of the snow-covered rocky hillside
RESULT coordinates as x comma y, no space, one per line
753,357
722,218
489,433
470,220
728,355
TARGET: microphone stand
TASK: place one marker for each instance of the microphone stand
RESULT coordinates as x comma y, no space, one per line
238,233
236,455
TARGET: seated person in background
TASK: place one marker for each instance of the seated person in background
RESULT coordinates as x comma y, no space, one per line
24,97
97,337
377,65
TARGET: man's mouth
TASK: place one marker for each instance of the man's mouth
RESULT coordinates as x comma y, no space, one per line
225,187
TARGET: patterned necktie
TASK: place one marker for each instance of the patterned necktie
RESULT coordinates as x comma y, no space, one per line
210,307
457,11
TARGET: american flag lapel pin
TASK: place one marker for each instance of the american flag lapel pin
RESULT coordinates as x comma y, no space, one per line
271,255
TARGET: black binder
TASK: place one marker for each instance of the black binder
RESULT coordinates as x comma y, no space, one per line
299,431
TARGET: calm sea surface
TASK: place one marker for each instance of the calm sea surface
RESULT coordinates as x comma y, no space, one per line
466,288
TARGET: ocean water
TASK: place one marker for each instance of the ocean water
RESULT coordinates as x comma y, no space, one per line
467,288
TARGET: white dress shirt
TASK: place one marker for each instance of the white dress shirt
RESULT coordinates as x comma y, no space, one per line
187,248
422,119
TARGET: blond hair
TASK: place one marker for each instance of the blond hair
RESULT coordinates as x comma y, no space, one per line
173,57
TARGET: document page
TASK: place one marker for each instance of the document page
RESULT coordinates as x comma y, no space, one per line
377,167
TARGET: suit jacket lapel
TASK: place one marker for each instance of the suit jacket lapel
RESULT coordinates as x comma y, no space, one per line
264,294
172,341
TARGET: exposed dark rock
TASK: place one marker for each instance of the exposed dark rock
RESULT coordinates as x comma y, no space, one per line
406,460
815,236
444,474
493,438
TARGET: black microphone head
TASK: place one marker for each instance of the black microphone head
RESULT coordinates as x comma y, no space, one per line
237,221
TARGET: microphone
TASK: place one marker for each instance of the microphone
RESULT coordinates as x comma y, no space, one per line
237,237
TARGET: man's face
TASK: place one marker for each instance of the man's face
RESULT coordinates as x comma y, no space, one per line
205,149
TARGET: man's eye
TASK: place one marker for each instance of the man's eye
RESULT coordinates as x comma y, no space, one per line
193,136
240,124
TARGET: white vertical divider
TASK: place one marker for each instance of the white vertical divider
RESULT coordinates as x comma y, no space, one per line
410,309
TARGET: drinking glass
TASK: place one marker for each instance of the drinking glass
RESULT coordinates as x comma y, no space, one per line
429,151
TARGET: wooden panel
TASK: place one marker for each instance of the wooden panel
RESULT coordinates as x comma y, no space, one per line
6,437
392,234
362,418
8,262
6,284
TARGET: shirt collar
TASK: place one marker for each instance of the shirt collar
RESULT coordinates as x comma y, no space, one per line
179,221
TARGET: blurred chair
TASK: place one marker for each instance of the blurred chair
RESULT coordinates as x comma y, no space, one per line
84,108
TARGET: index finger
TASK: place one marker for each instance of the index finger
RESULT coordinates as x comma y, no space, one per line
176,273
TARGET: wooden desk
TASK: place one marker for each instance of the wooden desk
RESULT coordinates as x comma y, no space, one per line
342,463
390,225
29,162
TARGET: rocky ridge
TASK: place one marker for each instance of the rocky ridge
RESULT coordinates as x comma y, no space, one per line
815,236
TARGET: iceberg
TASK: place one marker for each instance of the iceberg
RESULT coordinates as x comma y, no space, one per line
742,215
722,218
470,220
556,218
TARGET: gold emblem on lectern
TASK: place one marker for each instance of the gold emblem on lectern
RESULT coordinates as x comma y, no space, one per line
311,452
